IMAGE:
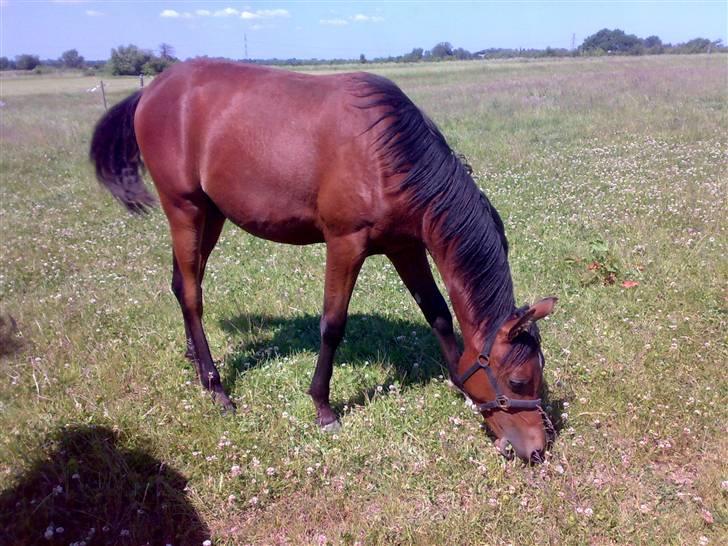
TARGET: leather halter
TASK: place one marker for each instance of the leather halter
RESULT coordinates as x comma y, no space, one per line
501,401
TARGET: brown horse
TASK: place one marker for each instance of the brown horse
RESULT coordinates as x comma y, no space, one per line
343,159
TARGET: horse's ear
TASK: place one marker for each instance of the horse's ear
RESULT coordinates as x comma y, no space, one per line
537,311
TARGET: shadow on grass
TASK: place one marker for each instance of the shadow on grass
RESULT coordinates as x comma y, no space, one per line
410,348
402,343
91,489
10,340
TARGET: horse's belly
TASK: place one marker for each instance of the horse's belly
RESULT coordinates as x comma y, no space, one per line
289,231
269,213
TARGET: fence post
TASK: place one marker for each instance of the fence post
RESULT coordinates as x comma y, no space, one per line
141,81
103,94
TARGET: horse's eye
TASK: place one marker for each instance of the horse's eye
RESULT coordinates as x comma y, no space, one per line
517,385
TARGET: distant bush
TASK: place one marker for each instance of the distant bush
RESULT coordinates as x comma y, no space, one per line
131,61
698,45
614,41
157,65
128,61
43,69
26,61
71,59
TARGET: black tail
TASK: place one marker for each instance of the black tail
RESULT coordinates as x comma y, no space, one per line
115,153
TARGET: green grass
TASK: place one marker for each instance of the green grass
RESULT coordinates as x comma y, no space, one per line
604,170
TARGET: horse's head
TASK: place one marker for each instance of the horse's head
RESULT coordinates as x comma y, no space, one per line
506,380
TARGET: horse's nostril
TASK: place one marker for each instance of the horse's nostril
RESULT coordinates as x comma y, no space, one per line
536,456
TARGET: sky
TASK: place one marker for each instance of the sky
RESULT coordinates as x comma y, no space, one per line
338,29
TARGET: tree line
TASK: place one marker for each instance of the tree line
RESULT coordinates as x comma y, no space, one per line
124,60
133,60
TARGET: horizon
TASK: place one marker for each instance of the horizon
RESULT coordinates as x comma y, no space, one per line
326,30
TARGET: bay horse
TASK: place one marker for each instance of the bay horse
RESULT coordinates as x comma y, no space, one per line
350,161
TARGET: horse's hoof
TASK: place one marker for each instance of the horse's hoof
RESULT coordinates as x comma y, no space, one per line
227,407
332,428
229,410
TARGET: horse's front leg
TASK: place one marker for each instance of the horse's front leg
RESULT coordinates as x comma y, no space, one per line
344,258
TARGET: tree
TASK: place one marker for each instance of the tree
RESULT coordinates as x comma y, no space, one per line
71,59
26,61
5,63
129,60
698,45
362,59
653,41
414,55
442,50
613,41
462,54
157,65
166,51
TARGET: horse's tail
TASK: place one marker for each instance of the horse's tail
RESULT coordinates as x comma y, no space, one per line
115,154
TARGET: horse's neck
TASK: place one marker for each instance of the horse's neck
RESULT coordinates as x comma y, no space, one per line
472,314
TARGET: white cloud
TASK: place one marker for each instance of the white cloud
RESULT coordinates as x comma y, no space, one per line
273,13
227,12
361,18
334,22
94,13
172,14
264,14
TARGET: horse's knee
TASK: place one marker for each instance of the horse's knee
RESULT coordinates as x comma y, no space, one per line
442,324
332,331
177,287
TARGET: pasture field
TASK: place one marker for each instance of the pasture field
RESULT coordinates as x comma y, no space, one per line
605,171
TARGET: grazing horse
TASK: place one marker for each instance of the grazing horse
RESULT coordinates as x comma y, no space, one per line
347,160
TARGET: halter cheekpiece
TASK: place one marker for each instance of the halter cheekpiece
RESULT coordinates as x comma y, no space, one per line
501,401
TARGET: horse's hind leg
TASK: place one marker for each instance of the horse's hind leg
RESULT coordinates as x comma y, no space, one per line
214,221
187,221
344,258
414,269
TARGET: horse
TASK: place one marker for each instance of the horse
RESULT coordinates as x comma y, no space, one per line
350,161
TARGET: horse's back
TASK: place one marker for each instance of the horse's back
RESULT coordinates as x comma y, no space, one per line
284,155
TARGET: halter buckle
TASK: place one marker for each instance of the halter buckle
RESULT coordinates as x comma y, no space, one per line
503,401
483,360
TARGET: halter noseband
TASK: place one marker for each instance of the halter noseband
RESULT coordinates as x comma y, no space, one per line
501,401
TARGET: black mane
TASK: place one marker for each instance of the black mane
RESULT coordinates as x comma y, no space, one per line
439,185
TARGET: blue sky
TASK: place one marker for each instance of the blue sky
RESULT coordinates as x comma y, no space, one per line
337,29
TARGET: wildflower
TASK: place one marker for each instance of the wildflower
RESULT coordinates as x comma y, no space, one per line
270,471
235,470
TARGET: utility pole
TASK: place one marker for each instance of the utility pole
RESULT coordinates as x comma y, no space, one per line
245,41
573,41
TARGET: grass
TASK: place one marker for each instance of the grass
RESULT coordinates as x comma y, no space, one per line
604,170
